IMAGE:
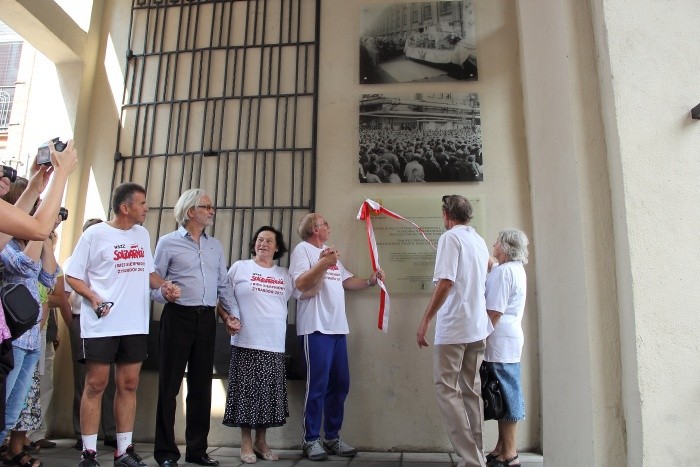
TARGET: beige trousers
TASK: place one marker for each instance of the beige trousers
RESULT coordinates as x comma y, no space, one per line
458,392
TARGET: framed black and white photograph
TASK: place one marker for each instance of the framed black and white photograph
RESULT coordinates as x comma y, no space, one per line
417,42
420,137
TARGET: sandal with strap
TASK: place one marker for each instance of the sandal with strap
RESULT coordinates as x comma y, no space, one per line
265,455
492,456
506,463
17,460
32,448
248,458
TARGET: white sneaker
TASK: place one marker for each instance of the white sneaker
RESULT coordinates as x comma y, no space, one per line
314,450
339,447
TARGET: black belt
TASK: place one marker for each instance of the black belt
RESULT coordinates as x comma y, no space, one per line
195,309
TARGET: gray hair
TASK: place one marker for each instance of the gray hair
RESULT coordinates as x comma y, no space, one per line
307,225
187,201
514,244
457,208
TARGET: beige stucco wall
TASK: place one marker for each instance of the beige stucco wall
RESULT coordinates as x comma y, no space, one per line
649,73
388,370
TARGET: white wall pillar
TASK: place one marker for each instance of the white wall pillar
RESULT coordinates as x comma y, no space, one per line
649,57
581,405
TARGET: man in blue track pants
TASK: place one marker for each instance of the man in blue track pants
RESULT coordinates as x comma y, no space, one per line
323,326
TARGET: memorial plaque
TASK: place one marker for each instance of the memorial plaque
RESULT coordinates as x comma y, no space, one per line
406,257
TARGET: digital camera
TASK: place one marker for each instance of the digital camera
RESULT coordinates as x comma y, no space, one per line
63,213
43,156
100,310
9,172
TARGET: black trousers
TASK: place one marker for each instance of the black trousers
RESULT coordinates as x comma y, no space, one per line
187,336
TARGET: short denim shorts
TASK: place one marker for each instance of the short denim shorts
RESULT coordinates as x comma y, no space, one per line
508,375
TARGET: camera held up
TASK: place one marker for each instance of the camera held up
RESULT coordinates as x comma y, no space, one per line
9,172
43,156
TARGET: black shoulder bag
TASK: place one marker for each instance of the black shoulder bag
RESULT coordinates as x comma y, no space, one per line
21,310
491,394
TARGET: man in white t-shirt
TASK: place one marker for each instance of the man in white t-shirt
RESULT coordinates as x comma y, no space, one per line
73,323
112,270
461,328
322,323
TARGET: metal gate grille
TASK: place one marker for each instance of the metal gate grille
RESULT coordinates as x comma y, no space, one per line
222,95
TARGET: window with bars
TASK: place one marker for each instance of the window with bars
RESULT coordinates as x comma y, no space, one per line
222,95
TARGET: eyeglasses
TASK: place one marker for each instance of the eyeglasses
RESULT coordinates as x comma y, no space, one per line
208,207
446,198
322,223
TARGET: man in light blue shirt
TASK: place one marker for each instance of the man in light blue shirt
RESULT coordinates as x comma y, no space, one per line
195,261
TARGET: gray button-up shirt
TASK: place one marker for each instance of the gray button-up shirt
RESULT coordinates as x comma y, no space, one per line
199,270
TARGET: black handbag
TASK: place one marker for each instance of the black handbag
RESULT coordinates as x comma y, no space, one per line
491,394
21,309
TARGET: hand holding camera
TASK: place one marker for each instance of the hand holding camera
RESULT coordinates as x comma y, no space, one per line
43,155
103,309
55,154
8,172
6,179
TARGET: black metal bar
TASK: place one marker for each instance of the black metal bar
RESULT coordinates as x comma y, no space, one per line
214,153
228,98
140,91
295,100
207,101
161,92
224,47
314,117
259,101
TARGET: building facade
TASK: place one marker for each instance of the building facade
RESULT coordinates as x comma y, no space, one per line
587,137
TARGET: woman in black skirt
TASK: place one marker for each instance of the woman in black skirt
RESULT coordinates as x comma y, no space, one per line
257,389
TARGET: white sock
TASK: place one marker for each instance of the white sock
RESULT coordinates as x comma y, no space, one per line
123,442
89,442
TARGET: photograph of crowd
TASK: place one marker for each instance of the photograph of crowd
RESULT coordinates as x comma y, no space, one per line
419,137
417,42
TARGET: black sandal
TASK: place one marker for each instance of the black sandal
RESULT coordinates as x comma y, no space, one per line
31,448
17,460
506,463
492,456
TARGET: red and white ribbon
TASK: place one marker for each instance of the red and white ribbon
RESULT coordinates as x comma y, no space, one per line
368,208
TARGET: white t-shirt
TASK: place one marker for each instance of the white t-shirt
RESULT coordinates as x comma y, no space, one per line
462,257
506,287
115,264
326,311
262,295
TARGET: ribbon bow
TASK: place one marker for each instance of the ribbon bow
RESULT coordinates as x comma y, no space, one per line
368,208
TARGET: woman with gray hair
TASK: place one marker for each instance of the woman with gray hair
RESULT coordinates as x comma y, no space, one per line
506,287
